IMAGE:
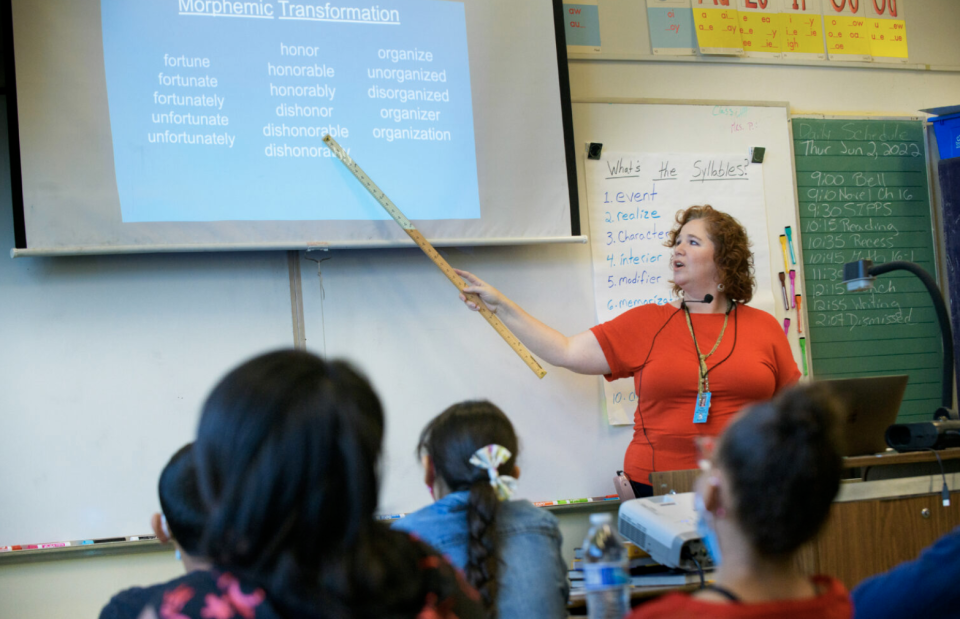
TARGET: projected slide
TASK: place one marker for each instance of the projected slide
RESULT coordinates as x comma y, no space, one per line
218,109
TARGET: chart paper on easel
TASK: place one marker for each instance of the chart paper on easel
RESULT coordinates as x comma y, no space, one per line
633,200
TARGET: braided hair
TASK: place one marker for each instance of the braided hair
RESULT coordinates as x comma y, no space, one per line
450,440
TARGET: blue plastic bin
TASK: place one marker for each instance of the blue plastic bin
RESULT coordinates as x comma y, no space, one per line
947,129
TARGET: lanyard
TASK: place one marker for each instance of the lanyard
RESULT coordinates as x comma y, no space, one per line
703,384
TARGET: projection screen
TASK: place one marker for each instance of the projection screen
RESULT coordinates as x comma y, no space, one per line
194,125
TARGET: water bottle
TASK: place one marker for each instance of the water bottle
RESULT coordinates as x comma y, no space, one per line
605,570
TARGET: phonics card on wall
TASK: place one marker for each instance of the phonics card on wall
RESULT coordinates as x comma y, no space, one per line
671,26
802,23
888,30
760,30
846,28
717,29
581,24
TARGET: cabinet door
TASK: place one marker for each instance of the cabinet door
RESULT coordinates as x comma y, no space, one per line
864,538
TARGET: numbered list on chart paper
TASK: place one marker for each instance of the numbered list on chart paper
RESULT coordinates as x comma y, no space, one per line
633,201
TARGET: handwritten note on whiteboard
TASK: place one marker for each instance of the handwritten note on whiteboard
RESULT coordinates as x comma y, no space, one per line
633,201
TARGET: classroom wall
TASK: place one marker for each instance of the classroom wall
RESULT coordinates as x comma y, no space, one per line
79,587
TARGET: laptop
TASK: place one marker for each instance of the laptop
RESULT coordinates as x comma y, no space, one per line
871,406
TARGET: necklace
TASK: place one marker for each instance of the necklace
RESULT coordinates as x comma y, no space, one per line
702,408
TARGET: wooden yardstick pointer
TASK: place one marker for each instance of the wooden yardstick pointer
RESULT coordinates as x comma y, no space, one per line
428,249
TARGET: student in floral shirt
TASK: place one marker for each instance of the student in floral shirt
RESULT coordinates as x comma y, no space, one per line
286,454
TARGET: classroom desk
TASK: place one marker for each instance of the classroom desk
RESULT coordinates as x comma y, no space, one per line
873,525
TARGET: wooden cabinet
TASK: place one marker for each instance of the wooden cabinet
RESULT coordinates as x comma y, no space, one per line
863,538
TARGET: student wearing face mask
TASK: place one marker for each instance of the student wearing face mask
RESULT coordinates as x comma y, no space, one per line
766,490
695,362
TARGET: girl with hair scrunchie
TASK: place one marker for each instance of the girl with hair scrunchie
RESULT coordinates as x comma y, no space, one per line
508,549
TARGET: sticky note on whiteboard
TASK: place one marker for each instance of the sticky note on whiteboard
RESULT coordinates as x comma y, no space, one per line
671,27
717,29
581,25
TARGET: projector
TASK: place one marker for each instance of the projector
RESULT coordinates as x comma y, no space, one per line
666,527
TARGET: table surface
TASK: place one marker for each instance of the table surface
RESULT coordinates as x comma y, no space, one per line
892,457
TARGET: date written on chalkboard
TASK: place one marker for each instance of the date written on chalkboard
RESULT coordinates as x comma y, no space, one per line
871,149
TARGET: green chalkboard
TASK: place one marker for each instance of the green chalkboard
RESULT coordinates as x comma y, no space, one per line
863,194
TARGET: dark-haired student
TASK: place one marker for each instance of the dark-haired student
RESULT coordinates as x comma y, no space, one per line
509,550
180,523
677,353
924,587
765,491
287,455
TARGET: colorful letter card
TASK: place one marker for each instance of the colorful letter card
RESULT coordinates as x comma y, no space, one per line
802,22
760,29
888,30
581,24
671,28
846,28
717,29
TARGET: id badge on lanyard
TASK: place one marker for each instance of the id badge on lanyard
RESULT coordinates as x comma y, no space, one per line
702,410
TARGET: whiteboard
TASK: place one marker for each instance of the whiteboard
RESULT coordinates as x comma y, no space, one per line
105,363
108,359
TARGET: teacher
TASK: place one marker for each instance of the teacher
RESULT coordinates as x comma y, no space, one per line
695,362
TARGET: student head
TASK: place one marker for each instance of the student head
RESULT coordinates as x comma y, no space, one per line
446,446
286,452
774,474
183,510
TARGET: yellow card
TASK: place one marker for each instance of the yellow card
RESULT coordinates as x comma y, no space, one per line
760,29
802,25
846,28
888,38
717,29
887,30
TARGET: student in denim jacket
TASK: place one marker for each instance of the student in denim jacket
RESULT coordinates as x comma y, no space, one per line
509,550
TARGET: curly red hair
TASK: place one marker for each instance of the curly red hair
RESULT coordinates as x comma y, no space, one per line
732,253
